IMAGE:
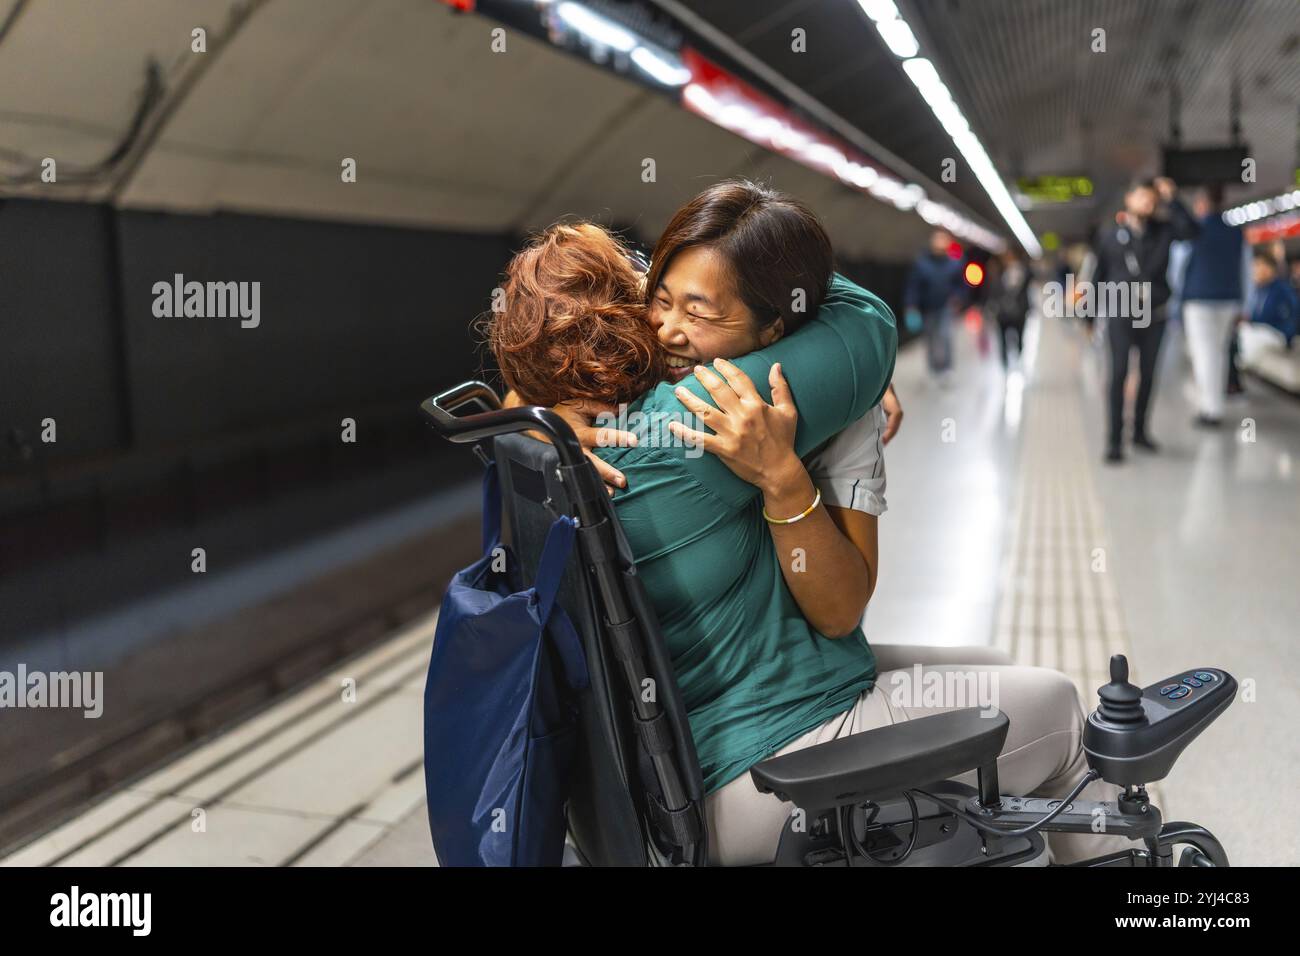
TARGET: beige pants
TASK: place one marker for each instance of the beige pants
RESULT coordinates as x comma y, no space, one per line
1043,755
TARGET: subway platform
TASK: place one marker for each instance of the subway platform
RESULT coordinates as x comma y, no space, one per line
1003,528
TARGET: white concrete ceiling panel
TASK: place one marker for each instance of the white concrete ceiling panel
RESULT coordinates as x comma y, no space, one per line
444,131
72,73
605,181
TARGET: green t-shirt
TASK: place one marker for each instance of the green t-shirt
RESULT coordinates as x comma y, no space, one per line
753,673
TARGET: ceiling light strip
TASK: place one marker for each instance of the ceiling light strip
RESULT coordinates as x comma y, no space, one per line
850,134
898,36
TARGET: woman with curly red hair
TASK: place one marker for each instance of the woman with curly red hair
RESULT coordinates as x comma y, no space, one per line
575,321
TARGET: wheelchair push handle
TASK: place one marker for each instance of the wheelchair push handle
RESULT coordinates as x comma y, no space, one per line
466,429
447,402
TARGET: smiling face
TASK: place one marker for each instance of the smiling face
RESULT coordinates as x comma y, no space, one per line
698,315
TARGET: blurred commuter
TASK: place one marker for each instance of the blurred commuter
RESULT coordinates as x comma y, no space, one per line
1180,251
1135,251
1213,301
1084,273
1274,304
932,288
1008,302
1273,319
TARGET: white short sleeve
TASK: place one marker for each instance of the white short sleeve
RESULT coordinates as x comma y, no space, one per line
850,469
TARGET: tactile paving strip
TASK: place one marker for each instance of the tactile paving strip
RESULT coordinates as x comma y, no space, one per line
1059,604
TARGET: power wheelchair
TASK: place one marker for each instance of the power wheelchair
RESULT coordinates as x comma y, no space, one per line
885,797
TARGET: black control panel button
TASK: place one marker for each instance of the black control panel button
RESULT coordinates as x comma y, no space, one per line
1193,682
1169,689
1205,676
1180,693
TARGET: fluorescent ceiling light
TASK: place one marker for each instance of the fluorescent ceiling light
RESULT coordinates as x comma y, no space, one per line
789,139
937,96
925,77
596,28
668,70
855,174
821,154
753,120
879,10
898,37
1258,209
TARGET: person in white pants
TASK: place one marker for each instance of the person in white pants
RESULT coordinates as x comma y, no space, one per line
1215,289
1209,325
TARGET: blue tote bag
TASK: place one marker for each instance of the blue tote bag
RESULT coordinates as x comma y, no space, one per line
500,705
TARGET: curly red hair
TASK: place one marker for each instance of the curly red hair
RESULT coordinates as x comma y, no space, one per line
574,323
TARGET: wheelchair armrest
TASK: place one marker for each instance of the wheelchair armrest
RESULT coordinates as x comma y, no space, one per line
880,763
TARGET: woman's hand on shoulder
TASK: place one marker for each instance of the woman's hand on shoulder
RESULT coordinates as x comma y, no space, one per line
582,415
893,414
754,439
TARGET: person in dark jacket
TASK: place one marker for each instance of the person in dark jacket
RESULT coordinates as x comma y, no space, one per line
933,285
1274,303
1008,302
1272,321
1213,301
1130,283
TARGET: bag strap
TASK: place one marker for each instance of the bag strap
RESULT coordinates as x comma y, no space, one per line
555,555
550,571
491,507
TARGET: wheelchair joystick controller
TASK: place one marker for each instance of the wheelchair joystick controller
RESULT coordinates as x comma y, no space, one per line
1121,702
1135,734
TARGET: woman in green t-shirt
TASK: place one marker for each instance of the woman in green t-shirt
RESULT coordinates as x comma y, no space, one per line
715,477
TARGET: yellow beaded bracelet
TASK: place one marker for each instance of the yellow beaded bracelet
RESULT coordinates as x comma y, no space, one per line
799,517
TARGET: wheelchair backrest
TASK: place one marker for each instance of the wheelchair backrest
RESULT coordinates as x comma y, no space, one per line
612,816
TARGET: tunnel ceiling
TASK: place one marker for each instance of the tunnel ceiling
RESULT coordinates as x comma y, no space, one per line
1049,104
1041,101
446,134
848,69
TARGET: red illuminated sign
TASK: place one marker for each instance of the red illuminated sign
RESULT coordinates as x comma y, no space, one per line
730,102
1282,227
725,99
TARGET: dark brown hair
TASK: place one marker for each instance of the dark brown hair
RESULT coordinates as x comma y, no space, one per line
773,244
574,320
1213,193
1266,257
